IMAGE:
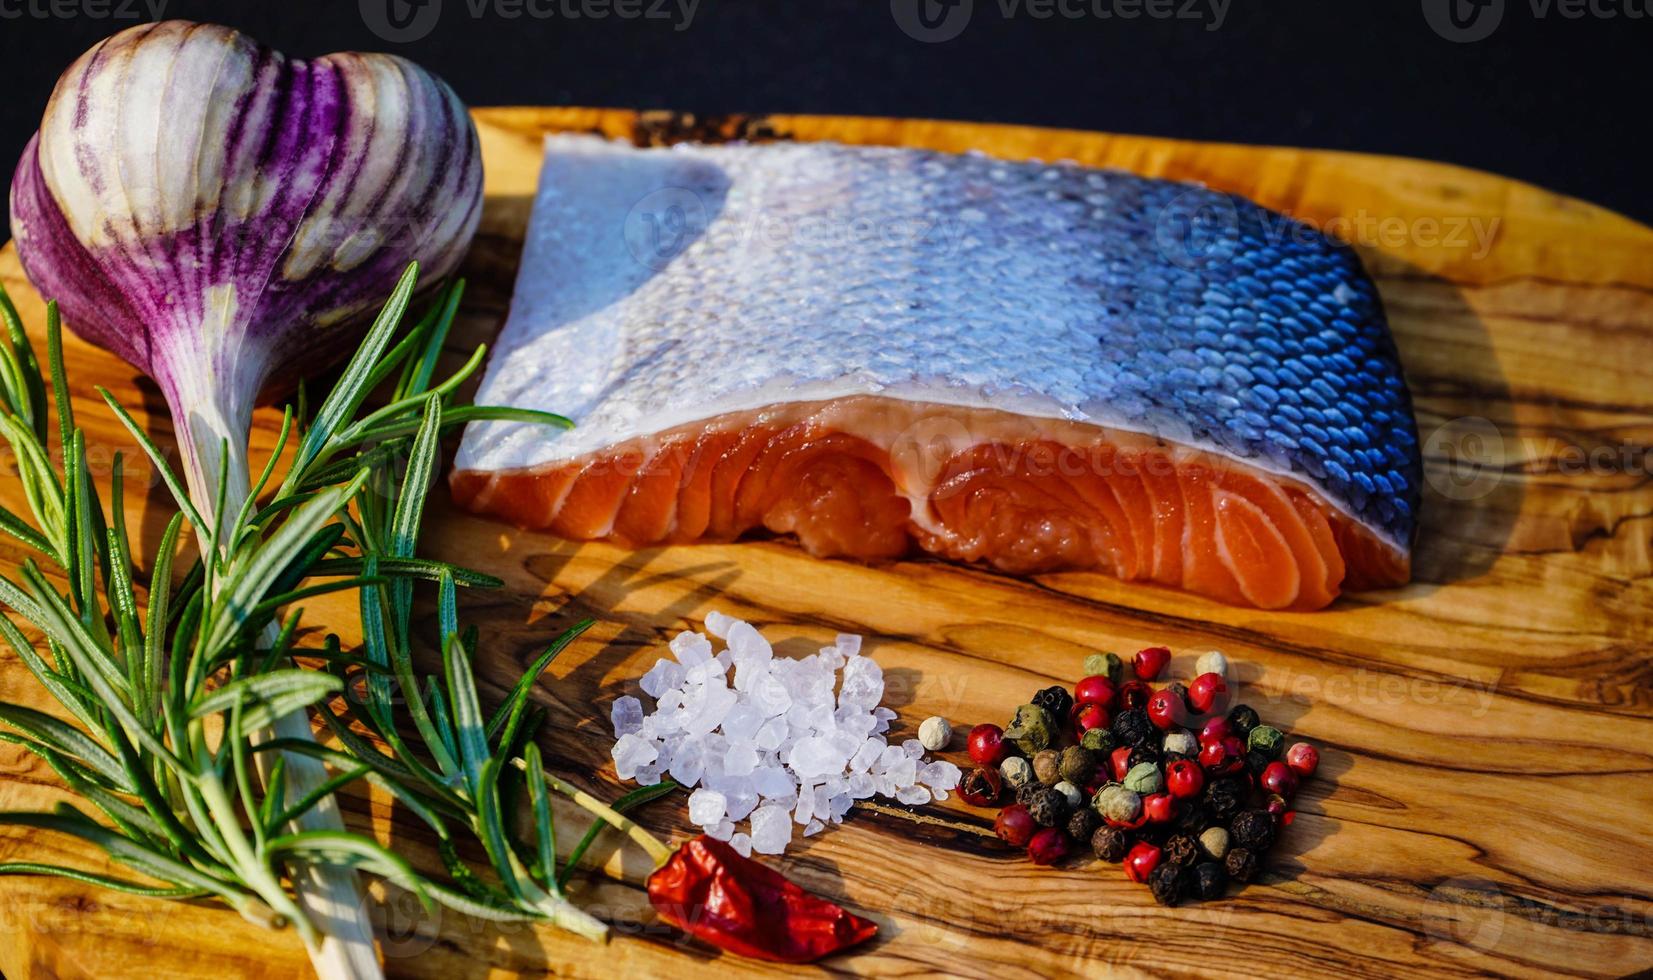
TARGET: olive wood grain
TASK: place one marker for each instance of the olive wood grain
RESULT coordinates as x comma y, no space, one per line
1484,800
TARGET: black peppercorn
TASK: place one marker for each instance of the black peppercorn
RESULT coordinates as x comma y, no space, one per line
1078,765
1055,700
1181,691
1182,849
1240,864
1192,817
1144,753
1224,797
1110,844
1166,882
1210,880
1026,791
1252,830
1255,762
1133,727
1243,718
1047,807
1083,823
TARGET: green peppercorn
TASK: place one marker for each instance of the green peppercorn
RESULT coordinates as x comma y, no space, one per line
1047,767
1104,664
1166,882
1182,849
1133,727
1078,765
1240,864
1214,841
1017,771
1098,740
1243,718
1033,729
1253,830
1110,844
1180,743
1082,824
1209,881
1267,740
1047,807
1115,802
1145,779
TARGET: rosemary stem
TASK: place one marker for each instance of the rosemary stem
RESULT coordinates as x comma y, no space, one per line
657,849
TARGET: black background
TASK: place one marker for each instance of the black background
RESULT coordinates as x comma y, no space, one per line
1558,101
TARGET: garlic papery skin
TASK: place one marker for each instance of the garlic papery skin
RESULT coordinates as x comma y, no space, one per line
203,205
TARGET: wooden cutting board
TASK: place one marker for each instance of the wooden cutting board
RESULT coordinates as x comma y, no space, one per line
1485,800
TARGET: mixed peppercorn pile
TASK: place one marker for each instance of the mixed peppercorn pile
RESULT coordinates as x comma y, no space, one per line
1117,766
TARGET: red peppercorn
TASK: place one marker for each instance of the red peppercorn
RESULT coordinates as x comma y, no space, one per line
1141,861
1166,709
1216,730
1133,694
1159,807
1278,778
1095,690
1276,805
1088,716
987,745
981,787
1015,825
1149,662
1208,692
1224,757
1120,761
1048,846
1303,759
1184,778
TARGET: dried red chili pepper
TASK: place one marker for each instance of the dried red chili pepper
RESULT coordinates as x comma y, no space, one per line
709,891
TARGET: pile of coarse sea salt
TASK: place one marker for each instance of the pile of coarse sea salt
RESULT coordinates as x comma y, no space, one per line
787,744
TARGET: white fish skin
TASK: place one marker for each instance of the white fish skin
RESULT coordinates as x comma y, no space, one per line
664,287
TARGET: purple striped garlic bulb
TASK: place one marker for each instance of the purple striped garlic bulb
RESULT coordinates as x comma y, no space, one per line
229,219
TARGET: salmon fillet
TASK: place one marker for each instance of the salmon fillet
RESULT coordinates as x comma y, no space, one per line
1008,369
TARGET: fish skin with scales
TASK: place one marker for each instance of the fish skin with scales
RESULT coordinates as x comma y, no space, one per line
664,286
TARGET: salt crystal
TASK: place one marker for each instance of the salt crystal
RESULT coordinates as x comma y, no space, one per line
806,805
914,748
861,786
691,648
940,774
718,624
746,643
648,775
772,734
626,714
773,782
839,805
662,677
741,802
815,827
816,757
904,773
706,807
742,722
866,755
740,760
722,830
890,755
771,829
939,795
770,696
630,752
714,705
913,795
742,843
725,659
689,762
848,644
